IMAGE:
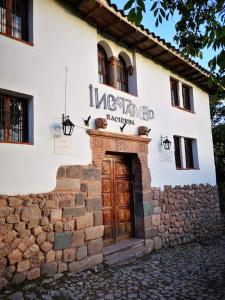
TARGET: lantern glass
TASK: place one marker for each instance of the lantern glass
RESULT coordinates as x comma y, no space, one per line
167,144
67,125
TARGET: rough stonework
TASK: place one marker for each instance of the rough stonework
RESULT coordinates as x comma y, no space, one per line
51,233
45,234
185,214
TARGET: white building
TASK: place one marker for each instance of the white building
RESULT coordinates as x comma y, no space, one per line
33,68
142,120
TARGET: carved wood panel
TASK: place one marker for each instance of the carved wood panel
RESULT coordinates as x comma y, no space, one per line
117,198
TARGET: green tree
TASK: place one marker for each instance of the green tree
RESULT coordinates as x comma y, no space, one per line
218,130
201,24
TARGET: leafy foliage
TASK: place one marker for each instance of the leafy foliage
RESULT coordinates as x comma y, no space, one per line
201,24
218,130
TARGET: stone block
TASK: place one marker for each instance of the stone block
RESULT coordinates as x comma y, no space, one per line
69,225
157,243
56,215
69,255
68,184
34,274
46,246
95,246
150,233
92,233
32,224
61,172
69,212
50,256
6,211
91,173
157,210
149,244
77,238
12,219
58,227
73,171
37,230
156,219
87,263
98,218
19,278
3,203
50,237
30,213
93,204
37,260
58,255
15,256
49,269
62,240
62,267
93,189
79,199
31,251
81,252
3,283
84,221
147,208
19,226
23,266
52,204
41,238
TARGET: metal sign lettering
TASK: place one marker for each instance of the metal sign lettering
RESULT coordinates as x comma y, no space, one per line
126,106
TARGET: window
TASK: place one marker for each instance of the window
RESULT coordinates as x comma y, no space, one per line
186,101
14,18
13,119
122,75
103,66
174,88
189,153
177,149
186,153
186,97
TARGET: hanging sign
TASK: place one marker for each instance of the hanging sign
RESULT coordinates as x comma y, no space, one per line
117,103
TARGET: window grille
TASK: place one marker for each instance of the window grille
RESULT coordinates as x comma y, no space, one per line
186,97
122,75
13,119
174,92
177,148
14,18
103,67
189,153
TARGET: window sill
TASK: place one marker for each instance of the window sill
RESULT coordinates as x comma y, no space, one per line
184,109
118,89
17,143
16,39
186,169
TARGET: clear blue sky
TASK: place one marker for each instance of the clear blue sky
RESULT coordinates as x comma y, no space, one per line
166,30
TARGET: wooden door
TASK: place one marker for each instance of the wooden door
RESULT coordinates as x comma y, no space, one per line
117,198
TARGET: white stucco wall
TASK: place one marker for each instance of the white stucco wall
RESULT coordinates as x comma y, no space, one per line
61,39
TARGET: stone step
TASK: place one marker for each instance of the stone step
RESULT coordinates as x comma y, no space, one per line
123,251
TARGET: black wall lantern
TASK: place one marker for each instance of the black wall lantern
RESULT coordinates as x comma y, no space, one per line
67,125
165,143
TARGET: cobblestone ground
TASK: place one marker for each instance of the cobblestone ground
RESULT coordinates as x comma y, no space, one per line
193,271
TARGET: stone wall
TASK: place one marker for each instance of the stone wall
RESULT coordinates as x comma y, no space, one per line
62,231
185,214
55,232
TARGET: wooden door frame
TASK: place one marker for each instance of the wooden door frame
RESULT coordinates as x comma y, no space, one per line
102,142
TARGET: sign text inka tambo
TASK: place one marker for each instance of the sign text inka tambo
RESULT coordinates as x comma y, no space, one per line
118,103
